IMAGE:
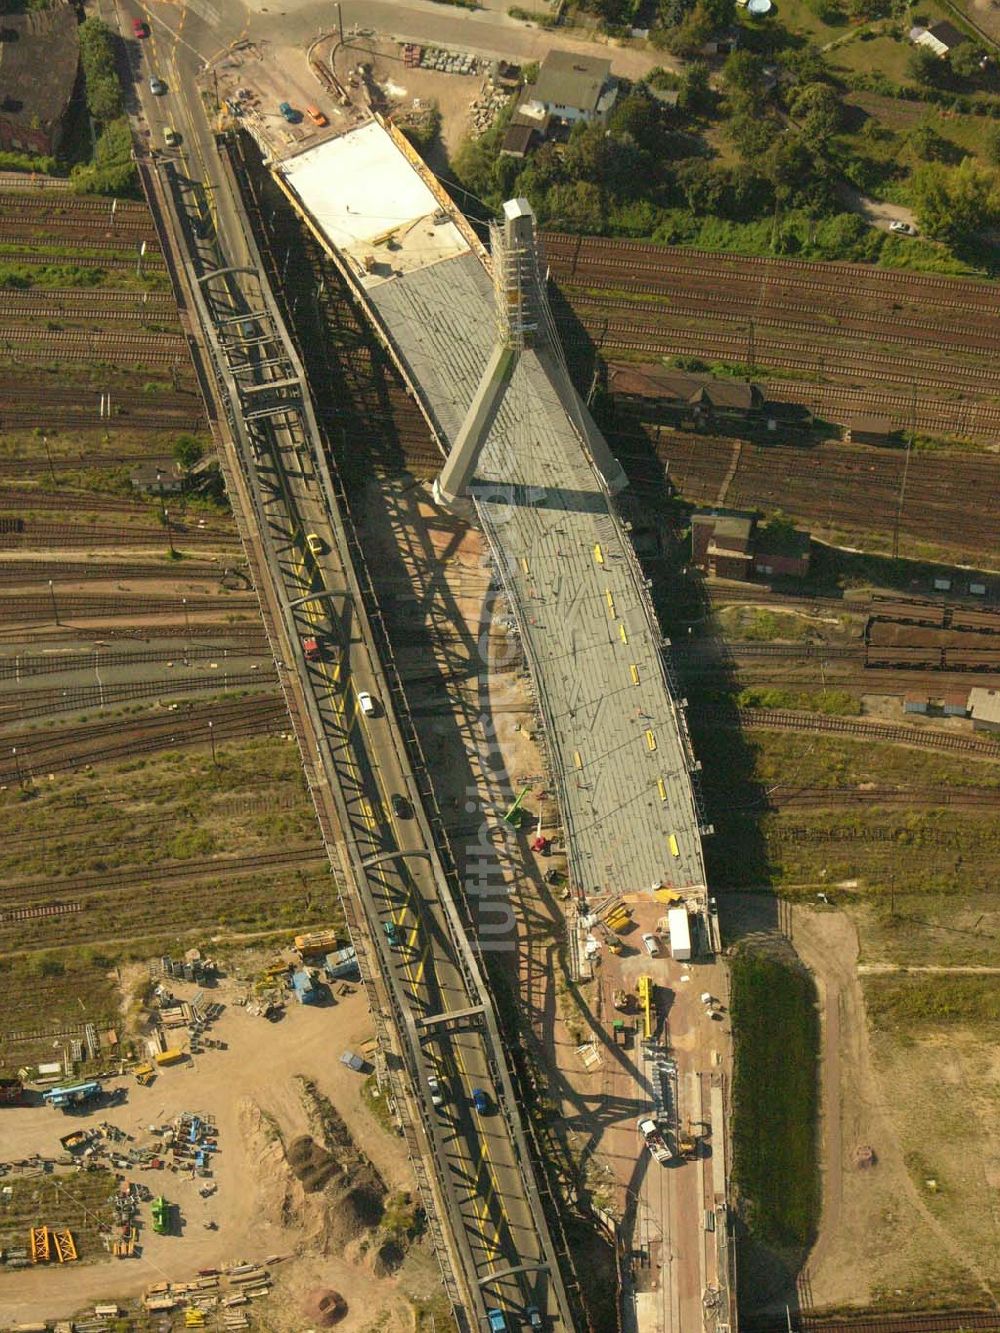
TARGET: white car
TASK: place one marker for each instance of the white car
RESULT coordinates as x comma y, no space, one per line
652,945
902,229
315,543
366,703
437,1096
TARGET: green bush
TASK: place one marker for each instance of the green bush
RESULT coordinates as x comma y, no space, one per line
10,161
113,169
100,78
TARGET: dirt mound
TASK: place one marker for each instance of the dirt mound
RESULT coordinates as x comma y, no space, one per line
311,1164
324,1307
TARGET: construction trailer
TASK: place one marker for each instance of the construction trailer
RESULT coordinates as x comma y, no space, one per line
170,1057
66,1098
343,963
680,933
303,987
318,941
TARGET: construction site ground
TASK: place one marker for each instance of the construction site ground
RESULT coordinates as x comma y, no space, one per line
260,1209
897,1113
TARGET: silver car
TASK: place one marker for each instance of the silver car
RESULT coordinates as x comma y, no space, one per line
157,87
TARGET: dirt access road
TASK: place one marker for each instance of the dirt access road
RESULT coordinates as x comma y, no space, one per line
255,1206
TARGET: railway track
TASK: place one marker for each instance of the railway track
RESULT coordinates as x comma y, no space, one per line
642,335
133,348
179,872
844,278
711,299
18,609
28,665
941,1321
90,299
26,704
780,720
15,573
822,485
90,537
71,748
28,467
955,798
86,502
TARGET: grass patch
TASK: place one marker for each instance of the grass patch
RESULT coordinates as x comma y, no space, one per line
757,625
377,1102
775,1100
903,1003
78,1201
836,703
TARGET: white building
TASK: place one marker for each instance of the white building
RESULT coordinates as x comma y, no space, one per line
941,38
569,88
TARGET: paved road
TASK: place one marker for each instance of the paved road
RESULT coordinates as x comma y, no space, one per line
488,1199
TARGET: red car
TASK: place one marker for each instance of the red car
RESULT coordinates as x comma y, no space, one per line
140,27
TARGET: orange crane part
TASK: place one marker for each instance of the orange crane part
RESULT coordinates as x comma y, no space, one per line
40,1252
65,1246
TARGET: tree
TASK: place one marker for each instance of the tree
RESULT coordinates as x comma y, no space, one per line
720,13
992,145
927,68
965,60
188,451
817,107
753,134
693,33
673,12
955,204
928,145
743,72
639,116
695,94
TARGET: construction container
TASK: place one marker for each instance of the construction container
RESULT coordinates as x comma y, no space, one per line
680,933
319,941
170,1057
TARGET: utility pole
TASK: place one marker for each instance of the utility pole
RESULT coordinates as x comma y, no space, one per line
48,455
55,609
211,737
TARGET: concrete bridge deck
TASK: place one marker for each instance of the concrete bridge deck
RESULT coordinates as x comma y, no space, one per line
616,736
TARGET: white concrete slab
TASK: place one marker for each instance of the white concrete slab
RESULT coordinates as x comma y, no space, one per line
369,200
